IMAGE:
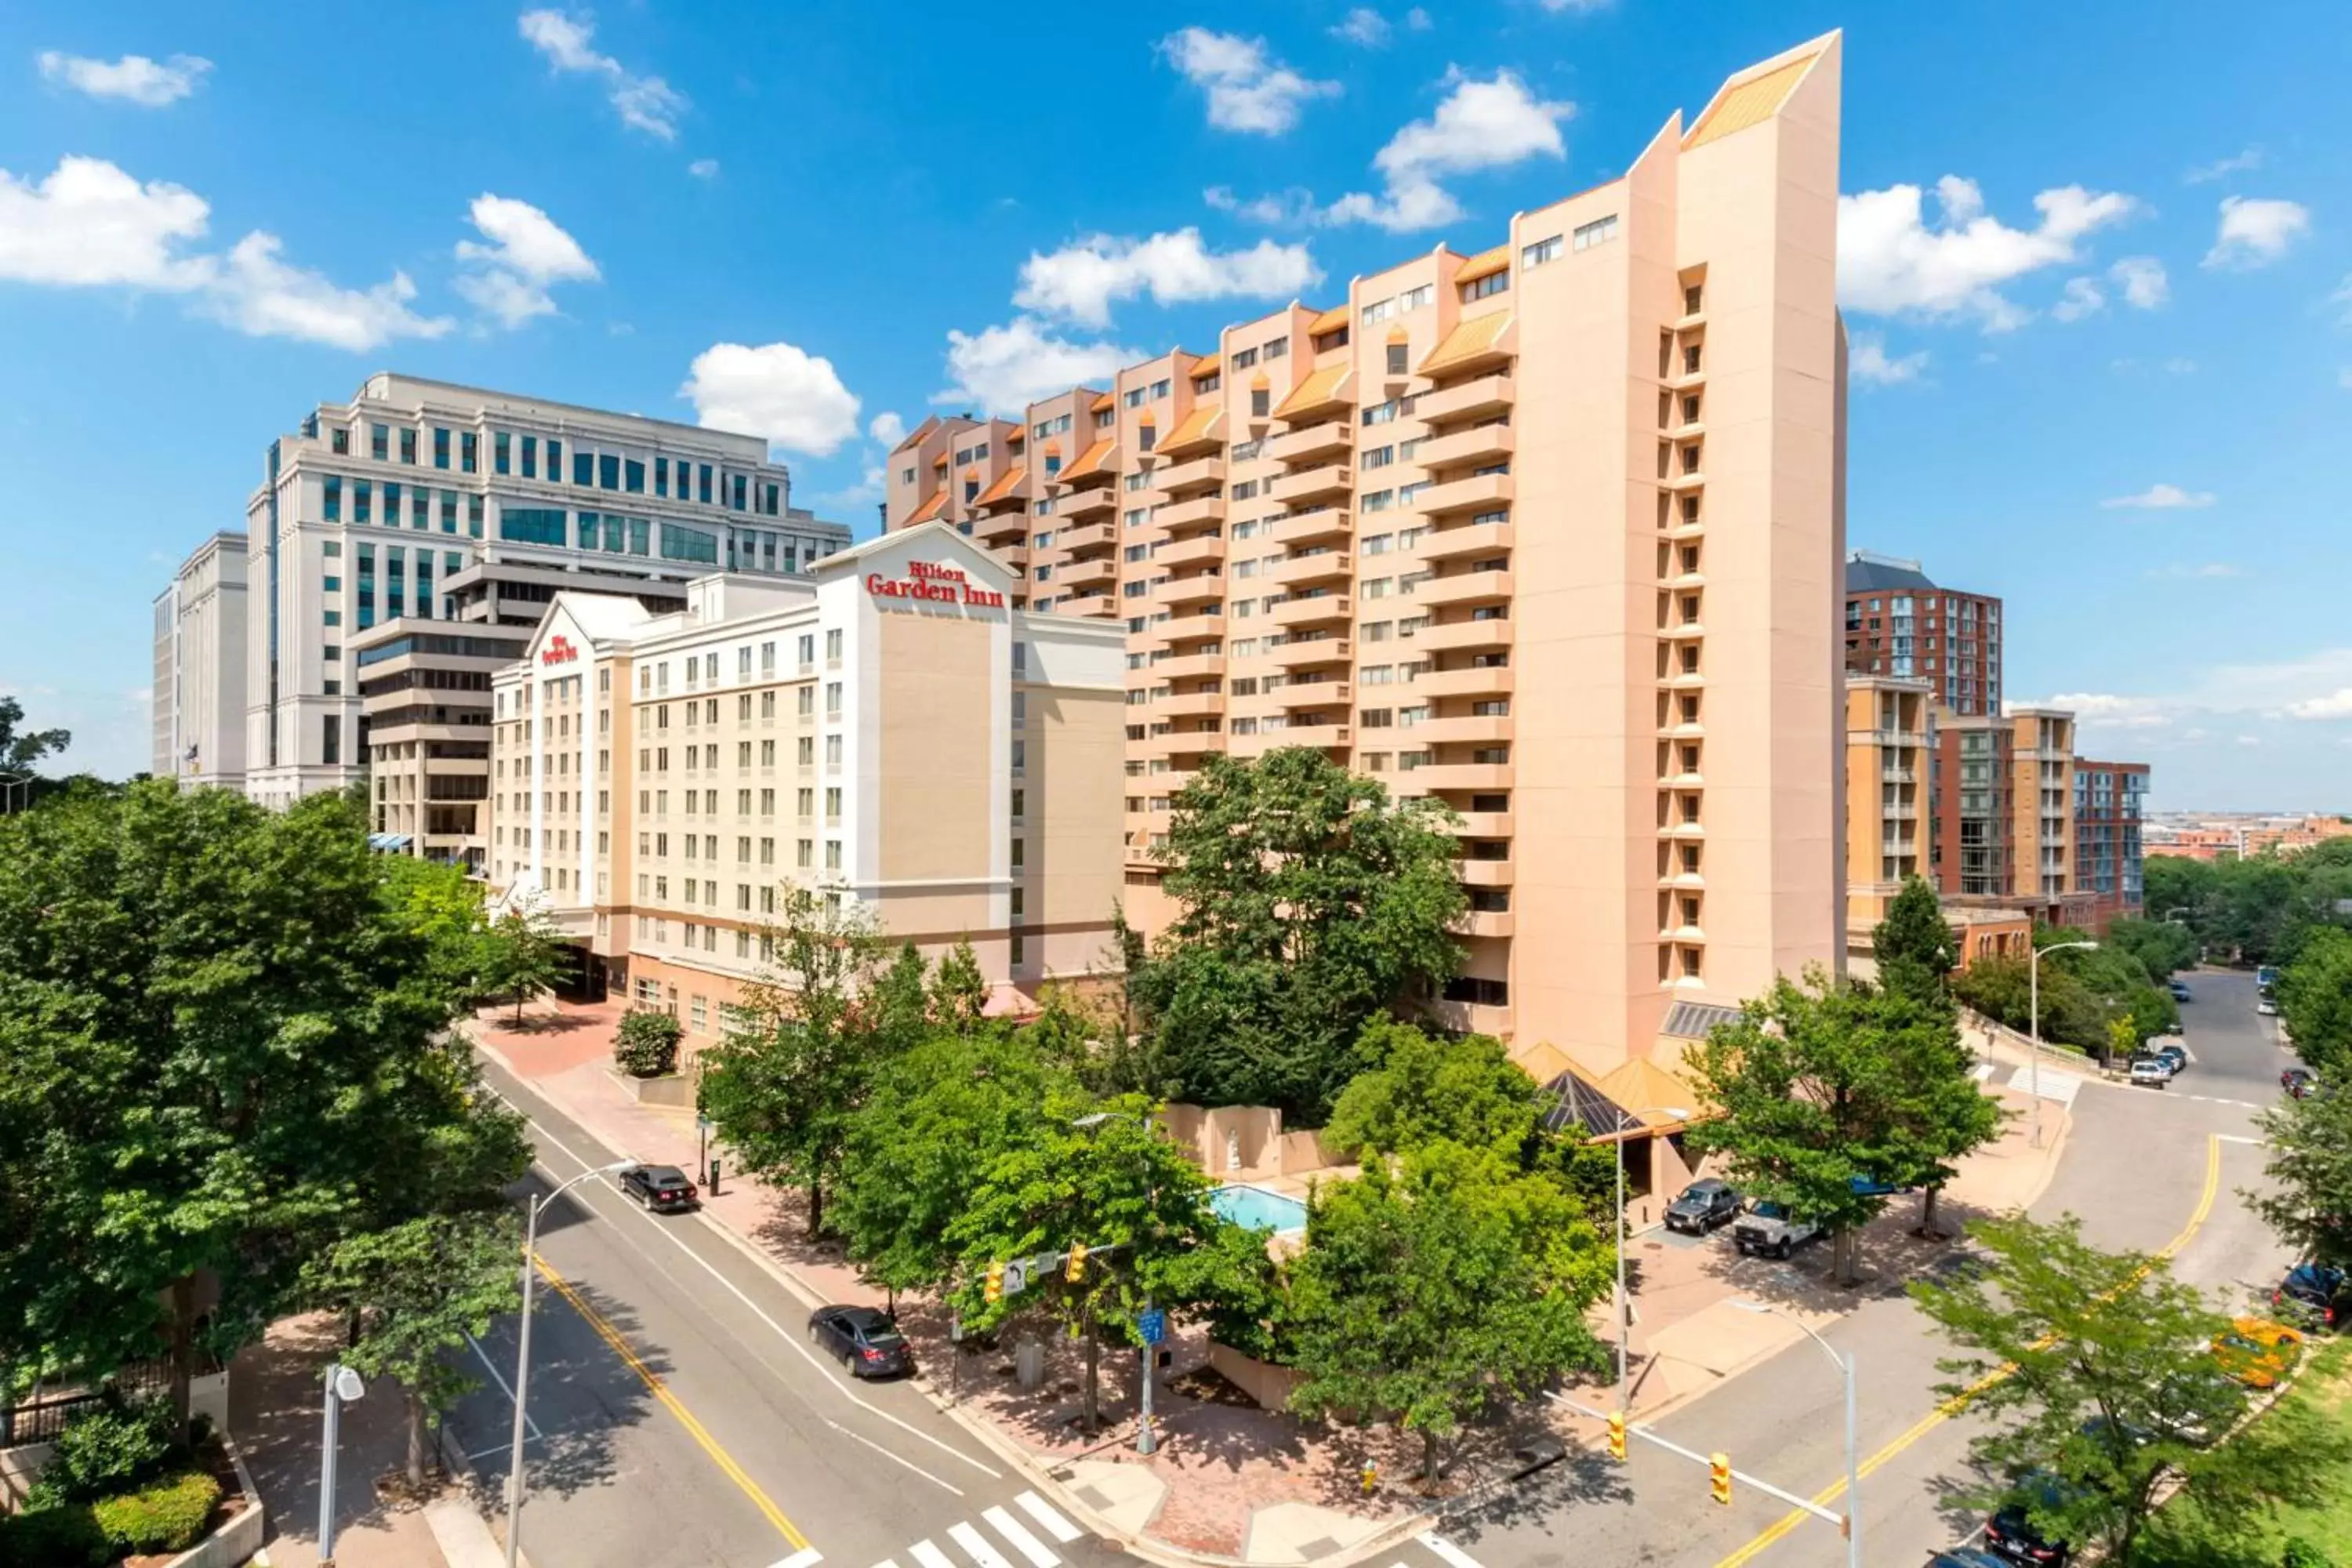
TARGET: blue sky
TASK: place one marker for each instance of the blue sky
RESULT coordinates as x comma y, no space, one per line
2095,261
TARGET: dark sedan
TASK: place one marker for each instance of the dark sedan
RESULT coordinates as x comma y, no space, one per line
2297,1081
1703,1205
868,1342
665,1189
2313,1293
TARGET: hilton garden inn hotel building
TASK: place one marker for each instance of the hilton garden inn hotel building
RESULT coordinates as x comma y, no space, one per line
888,730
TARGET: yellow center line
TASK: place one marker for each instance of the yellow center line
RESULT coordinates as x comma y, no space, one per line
694,1429
1959,1402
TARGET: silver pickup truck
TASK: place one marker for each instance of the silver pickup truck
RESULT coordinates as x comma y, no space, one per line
1770,1227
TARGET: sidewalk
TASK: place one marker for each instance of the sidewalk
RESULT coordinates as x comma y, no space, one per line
1231,1480
275,1398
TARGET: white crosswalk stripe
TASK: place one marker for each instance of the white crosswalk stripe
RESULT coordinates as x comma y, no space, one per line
1045,1513
1453,1554
930,1556
1014,1530
974,1542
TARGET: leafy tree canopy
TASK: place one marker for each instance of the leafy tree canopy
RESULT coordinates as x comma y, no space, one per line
2163,948
1914,947
2308,1197
1417,1090
20,753
2314,997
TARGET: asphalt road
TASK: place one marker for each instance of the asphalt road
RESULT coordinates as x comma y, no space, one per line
679,1415
2142,1168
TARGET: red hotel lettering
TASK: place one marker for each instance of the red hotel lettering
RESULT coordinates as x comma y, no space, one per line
934,583
558,650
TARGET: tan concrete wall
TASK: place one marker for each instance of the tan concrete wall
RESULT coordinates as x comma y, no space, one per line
1074,818
933,681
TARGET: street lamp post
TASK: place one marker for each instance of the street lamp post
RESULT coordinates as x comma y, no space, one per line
1624,1302
522,1351
343,1385
2033,986
1844,1363
1146,1441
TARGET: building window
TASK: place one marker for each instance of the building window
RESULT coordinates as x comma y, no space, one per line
1480,288
440,446
331,499
1599,231
1541,251
1397,354
331,739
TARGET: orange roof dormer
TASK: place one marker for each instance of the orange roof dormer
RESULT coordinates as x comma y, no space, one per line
1147,417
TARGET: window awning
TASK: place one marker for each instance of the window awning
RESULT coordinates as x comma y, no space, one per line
1006,483
1093,460
1330,320
1326,388
1479,341
1200,428
929,509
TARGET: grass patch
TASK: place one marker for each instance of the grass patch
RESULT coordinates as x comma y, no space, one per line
2316,1412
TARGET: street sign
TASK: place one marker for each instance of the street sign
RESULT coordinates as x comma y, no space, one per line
1017,1277
1152,1324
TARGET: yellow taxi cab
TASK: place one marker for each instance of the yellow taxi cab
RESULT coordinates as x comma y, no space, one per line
2257,1352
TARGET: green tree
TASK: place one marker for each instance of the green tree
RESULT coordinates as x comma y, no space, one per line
1815,1087
1308,902
2307,1197
959,992
1437,1294
900,1005
933,1118
1417,1089
20,754
416,1292
2095,1368
2314,999
220,1045
439,903
781,1085
1913,947
1113,1183
645,1043
524,954
1942,1113
2163,948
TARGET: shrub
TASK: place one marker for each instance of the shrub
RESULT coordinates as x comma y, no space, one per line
646,1046
2302,1553
63,1536
114,1446
169,1516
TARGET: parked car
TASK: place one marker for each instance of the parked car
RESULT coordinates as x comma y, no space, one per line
2196,1407
665,1189
2256,1351
1704,1205
867,1340
2266,1006
2179,989
1770,1228
1966,1557
2010,1534
2298,1082
2313,1293
2266,976
2171,1051
2151,1071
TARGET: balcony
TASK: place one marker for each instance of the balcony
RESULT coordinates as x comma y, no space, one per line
1100,501
1478,636
1484,922
1314,609
1465,588
1479,492
1482,873
1471,399
1685,479
1478,444
1478,541
1185,514
1465,730
1084,576
1207,588
1014,558
1471,1017
1431,777
1090,536
1485,823
1328,439
1306,653
1308,695
1201,549
1096,603
1319,566
1484,681
1190,704
1324,525
1324,481
1001,528
1201,473
1187,667
1897,775
1323,736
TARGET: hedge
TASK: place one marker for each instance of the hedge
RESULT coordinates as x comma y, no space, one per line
169,1516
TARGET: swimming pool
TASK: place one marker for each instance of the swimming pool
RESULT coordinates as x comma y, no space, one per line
1255,1208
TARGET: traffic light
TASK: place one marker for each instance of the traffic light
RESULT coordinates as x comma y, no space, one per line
1718,1470
1617,1435
995,1288
1078,1271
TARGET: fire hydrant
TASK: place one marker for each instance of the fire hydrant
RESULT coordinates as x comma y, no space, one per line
1371,1476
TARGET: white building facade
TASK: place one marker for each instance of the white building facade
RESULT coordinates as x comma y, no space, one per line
199,691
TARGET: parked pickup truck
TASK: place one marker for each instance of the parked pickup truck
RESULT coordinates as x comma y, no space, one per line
1770,1227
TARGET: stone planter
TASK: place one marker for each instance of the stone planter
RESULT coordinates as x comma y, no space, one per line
671,1089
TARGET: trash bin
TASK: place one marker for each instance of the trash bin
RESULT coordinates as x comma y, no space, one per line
1029,1364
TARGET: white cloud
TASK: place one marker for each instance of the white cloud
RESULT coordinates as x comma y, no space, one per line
1891,262
1279,208
2182,571
1869,362
135,79
2161,498
2083,297
1081,280
2221,168
528,251
870,487
704,168
1248,89
646,104
2336,704
1001,370
1478,125
1417,20
776,390
2178,365
91,225
2256,231
887,428
2107,708
2143,282
1362,27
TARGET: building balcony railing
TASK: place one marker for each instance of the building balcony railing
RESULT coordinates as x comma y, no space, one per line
1478,493
1475,541
1100,573
1485,681
1310,694
1322,525
1204,588
1472,399
1482,873
1431,777
1485,823
1185,514
1087,536
1312,441
1324,481
1465,588
1098,501
1198,474
1315,609
1479,443
1303,653
1188,704
1201,549
1464,636
1484,922
1184,668
1465,730
1322,564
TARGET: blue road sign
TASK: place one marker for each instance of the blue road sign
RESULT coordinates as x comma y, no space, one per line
1152,1324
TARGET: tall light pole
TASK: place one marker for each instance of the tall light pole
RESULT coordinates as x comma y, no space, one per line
343,1385
1146,1443
1844,1363
2033,986
522,1351
1624,1302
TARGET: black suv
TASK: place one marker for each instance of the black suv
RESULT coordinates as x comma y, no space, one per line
664,1189
1704,1205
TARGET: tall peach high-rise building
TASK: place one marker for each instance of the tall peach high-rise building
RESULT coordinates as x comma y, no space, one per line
1553,532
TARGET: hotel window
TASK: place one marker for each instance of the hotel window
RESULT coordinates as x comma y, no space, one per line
804,853
1398,353
1244,358
833,643
1378,311
1599,231
1378,458
449,511
633,476
1541,251
1414,299
1019,853
806,697
338,441
440,447
380,443
1480,288
833,803
832,698
608,470
531,456
1020,804
331,500
468,452
805,751
832,753
584,465
1261,400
